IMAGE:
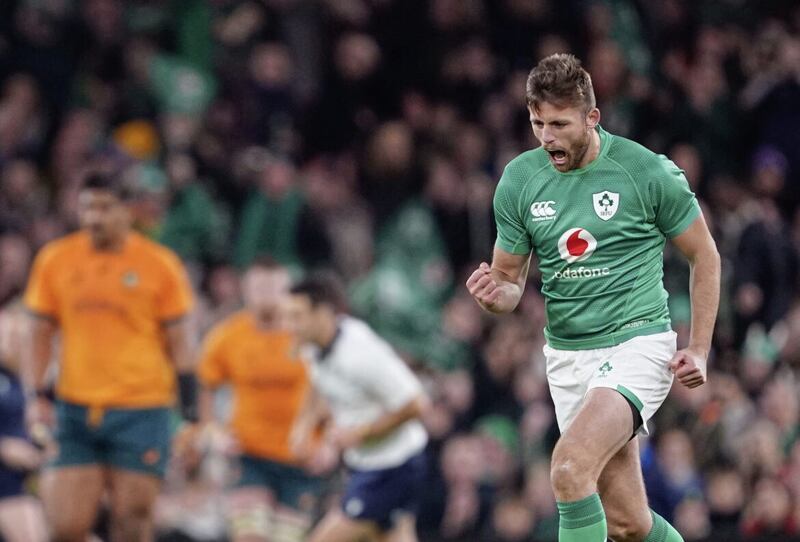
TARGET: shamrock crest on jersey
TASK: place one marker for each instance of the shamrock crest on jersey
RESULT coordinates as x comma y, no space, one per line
604,369
605,204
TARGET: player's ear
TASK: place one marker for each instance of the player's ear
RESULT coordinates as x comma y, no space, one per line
126,212
592,118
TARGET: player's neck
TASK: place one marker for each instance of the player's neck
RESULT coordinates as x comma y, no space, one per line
327,334
114,243
592,152
266,319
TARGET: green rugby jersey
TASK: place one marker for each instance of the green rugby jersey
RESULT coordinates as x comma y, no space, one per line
598,233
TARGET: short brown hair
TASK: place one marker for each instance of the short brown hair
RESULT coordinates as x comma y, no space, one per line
124,191
322,288
560,79
265,262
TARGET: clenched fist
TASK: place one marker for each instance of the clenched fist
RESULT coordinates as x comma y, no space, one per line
483,287
689,368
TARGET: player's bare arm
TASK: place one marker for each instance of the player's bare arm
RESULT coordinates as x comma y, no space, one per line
205,405
499,288
36,357
312,414
350,437
179,345
193,436
697,245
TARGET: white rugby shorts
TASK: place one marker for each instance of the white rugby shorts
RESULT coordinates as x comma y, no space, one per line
637,368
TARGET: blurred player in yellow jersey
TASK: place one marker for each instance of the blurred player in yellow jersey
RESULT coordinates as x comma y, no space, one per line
117,301
273,497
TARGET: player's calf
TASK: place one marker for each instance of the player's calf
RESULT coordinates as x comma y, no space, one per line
132,498
132,527
627,529
131,520
573,477
68,534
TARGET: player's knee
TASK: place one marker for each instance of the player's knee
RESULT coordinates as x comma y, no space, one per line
131,516
67,536
68,533
65,528
569,473
137,509
627,529
564,477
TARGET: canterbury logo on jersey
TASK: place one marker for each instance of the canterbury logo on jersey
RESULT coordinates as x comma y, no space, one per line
543,210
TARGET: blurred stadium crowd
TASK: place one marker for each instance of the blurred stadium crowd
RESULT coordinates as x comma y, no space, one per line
367,136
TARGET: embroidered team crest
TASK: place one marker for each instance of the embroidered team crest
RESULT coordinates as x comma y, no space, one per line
605,369
130,279
605,204
151,457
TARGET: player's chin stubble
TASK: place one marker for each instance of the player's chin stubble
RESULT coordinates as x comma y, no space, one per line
580,152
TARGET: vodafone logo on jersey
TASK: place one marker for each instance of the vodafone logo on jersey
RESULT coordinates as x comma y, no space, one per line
576,245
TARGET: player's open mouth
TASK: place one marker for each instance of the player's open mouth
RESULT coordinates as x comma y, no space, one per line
558,158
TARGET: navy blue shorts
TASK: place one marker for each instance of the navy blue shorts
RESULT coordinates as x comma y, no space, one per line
12,425
381,495
12,483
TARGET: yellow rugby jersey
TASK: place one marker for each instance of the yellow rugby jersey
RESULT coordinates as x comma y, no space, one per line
111,307
269,384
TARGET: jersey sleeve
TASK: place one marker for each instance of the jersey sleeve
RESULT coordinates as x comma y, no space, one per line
175,296
512,236
387,378
40,294
674,203
212,369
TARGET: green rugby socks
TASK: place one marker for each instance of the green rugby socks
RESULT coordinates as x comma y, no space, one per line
582,521
585,521
662,531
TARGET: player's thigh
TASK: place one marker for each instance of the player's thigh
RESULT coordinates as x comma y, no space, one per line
71,498
566,388
132,494
639,370
22,520
336,527
601,427
250,513
622,491
404,530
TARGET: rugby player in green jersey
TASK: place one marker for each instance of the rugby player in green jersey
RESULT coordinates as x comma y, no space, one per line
596,210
